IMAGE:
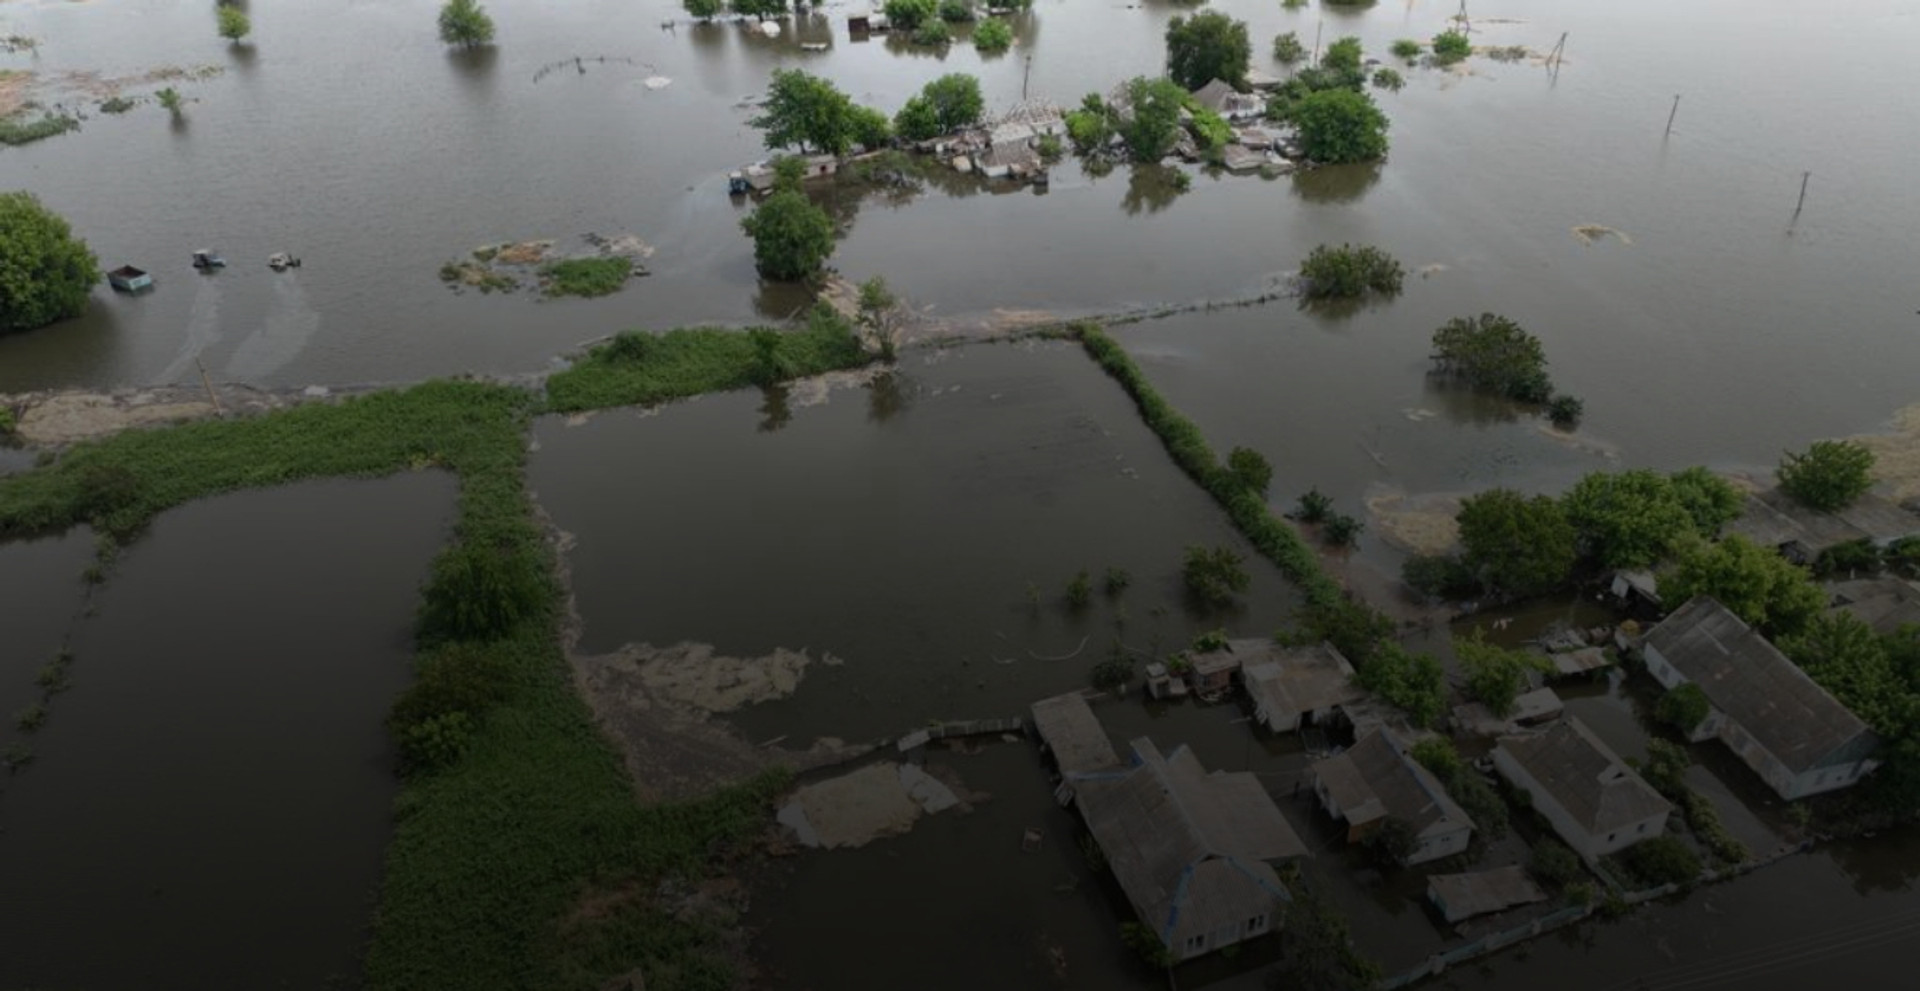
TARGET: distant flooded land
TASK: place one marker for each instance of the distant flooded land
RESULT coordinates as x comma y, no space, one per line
725,495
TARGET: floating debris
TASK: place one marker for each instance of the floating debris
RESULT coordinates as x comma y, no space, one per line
1592,233
656,82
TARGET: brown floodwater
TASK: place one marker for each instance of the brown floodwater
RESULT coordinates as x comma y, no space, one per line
898,527
209,800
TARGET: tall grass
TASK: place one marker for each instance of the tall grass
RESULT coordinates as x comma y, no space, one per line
637,368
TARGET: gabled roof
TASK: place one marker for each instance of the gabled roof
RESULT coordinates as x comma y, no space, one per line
1771,518
1461,896
1598,790
1214,95
1885,604
1069,728
1377,777
1188,847
1757,687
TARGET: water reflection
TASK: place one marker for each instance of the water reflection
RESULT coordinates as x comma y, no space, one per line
1336,183
775,411
781,301
901,43
889,395
1152,188
244,57
708,36
1463,405
474,67
1886,863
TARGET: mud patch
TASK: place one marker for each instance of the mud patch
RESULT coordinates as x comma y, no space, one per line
657,706
57,418
855,809
1595,233
1422,524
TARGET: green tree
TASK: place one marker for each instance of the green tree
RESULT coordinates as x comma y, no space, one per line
1214,575
932,33
45,272
993,36
706,10
1205,47
1450,47
1436,754
804,111
1493,354
1340,125
792,238
170,98
1348,272
1661,860
869,128
906,15
1627,519
917,120
1250,469
479,593
465,23
1388,79
1343,55
956,100
1406,48
1712,501
234,24
1414,683
1287,48
1151,122
1683,707
1495,675
1829,476
1754,582
956,11
1317,951
1514,544
762,9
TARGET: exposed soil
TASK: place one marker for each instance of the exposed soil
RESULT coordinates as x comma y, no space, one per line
58,418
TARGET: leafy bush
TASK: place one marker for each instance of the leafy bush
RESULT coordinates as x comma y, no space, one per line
993,36
1829,476
1049,147
1342,530
116,104
479,593
1754,582
1480,802
1210,129
956,11
15,129
1406,48
1555,864
1450,47
1314,507
1348,272
1112,674
1439,576
457,677
1414,683
233,22
1090,131
906,15
1683,707
1250,469
1388,79
1338,125
1565,411
586,276
465,23
1287,48
46,271
792,238
1493,354
1436,754
1117,581
1495,674
1214,575
932,34
435,744
1210,642
1207,46
1344,55
1662,860
1079,591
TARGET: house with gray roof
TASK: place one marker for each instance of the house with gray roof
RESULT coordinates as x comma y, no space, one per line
1771,518
1072,733
1220,97
1795,735
1885,604
1190,849
1589,795
1375,780
1289,686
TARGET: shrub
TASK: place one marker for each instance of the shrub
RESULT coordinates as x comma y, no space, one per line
436,743
906,15
1414,683
932,34
116,104
792,238
1049,147
233,22
1480,802
1210,642
1287,48
1117,581
1493,354
1314,506
993,36
1450,47
1565,411
1683,707
1436,754
1079,591
1406,48
46,272
586,276
1388,79
1213,576
1250,469
957,11
1209,129
1338,124
465,23
1439,576
1555,864
1829,476
1348,272
469,678
1662,860
1495,674
479,593
1112,674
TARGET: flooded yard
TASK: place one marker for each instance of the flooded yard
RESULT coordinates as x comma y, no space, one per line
210,797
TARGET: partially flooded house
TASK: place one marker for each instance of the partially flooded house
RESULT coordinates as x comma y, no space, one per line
1463,896
1778,721
1072,734
1294,686
1220,97
1589,795
1191,850
1885,604
1772,519
1376,781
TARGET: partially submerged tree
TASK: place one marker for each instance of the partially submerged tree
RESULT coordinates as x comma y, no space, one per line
1287,48
992,36
1348,272
792,237
906,15
1493,354
233,21
1712,501
1514,544
45,272
806,112
1627,519
1340,125
1450,47
1150,123
465,23
1250,470
1755,583
1495,675
1205,47
1829,476
1214,575
706,10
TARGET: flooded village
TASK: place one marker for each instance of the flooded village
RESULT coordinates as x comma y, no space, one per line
690,495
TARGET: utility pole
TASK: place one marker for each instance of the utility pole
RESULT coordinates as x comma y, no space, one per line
1671,113
1024,76
1804,176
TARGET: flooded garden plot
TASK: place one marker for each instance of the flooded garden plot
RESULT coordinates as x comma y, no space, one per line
210,798
40,584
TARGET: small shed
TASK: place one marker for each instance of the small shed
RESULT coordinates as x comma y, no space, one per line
1463,896
126,278
1292,687
1212,671
1073,734
1162,684
1639,586
1572,662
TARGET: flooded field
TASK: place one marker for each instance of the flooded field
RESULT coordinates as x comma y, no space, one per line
846,562
209,798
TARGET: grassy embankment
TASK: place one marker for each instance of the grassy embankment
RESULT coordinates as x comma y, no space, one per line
520,858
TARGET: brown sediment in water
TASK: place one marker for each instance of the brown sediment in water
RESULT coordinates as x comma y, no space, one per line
1422,524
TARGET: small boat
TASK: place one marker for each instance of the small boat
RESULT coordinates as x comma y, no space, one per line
205,259
280,261
126,278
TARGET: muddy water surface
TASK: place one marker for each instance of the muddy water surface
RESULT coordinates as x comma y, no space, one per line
208,806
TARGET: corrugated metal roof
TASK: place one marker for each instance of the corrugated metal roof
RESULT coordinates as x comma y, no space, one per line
1584,777
1756,686
1069,728
1378,769
1296,680
1461,896
1885,604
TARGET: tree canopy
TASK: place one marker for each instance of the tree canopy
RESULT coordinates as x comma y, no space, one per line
806,112
905,15
1755,583
1340,125
955,101
792,238
1348,272
1626,519
1151,121
45,272
1712,501
1493,354
1515,544
1207,46
1829,476
1495,674
233,21
704,9
465,23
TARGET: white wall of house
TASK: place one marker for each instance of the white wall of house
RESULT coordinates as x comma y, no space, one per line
1442,839
1586,844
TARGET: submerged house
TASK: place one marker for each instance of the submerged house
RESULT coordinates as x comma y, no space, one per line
1795,735
1190,849
1589,795
1293,686
1772,519
1376,780
1220,97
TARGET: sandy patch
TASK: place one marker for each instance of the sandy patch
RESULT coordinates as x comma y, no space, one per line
522,252
1897,455
1595,233
1422,524
855,809
692,674
56,418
